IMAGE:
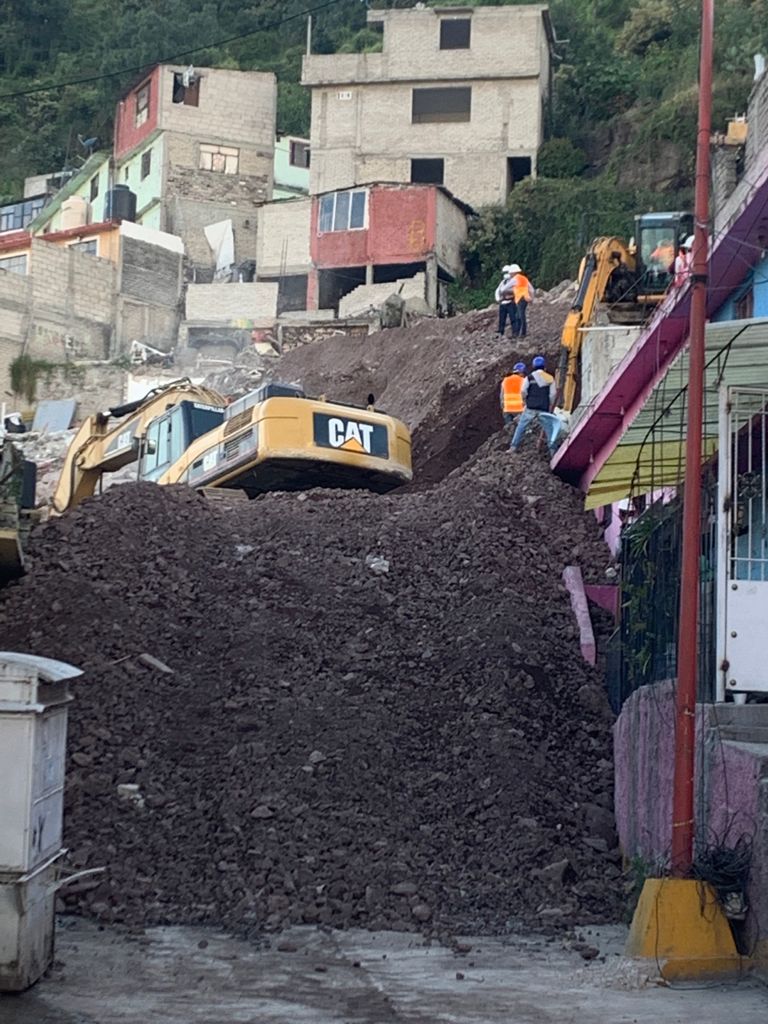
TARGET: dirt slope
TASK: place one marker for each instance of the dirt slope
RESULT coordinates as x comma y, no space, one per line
377,713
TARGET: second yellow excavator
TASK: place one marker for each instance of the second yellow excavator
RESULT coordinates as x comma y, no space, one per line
630,278
275,438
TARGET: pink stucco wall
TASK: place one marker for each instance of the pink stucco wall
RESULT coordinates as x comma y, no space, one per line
731,786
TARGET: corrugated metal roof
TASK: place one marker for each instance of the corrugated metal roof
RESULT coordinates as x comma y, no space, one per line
651,454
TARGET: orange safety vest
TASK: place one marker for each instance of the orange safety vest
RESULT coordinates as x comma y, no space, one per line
522,287
511,390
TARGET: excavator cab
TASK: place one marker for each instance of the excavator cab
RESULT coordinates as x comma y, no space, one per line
169,436
658,237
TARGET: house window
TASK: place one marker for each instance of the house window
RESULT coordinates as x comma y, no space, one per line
223,159
90,247
744,307
14,264
518,168
142,104
342,211
126,174
454,33
427,172
146,164
94,186
16,216
440,105
299,154
186,88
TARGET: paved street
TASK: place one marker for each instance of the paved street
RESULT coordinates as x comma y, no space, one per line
197,976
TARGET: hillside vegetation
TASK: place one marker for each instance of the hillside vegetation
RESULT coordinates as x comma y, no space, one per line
625,87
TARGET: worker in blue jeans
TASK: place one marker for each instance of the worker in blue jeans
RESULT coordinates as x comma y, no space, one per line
539,392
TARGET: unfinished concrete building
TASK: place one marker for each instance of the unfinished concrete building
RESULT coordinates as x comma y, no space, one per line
456,97
196,148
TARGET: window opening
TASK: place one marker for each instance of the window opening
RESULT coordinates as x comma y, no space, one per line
146,164
441,105
14,264
744,307
16,216
151,450
186,89
342,211
90,247
94,187
455,33
142,104
341,214
299,154
518,168
164,446
427,171
357,211
222,159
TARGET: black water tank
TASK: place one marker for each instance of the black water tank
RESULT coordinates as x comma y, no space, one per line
120,204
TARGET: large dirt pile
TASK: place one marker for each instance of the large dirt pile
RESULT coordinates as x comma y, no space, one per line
377,713
441,377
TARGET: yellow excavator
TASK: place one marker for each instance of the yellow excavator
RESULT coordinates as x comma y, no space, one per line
274,438
630,278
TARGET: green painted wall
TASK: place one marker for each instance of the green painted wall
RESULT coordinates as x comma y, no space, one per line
289,180
149,189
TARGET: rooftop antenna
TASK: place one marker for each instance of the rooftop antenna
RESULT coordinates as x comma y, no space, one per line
309,35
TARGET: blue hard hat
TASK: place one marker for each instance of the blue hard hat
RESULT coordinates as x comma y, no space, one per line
539,362
518,368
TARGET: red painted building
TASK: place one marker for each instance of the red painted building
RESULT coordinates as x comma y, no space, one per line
137,113
380,233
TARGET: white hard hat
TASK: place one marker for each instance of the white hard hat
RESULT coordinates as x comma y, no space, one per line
688,243
514,269
506,269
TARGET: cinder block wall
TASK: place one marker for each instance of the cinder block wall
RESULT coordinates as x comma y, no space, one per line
283,238
72,304
229,302
235,107
362,103
187,218
150,272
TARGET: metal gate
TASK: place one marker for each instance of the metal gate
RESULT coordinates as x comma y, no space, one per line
742,606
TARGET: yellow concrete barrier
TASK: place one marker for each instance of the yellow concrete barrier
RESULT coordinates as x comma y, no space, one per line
680,925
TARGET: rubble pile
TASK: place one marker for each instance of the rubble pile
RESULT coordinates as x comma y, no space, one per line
331,707
409,370
47,450
336,707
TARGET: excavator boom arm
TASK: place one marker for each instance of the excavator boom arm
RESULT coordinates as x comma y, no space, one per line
605,255
99,448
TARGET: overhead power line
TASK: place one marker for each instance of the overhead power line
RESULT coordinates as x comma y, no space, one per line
172,59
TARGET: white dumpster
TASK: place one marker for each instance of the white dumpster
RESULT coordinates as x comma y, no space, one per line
33,734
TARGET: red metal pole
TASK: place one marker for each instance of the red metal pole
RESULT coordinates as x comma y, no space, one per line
685,731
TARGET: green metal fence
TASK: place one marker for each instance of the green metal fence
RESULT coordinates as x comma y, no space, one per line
644,646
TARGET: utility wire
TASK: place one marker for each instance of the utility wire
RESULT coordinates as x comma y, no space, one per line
172,59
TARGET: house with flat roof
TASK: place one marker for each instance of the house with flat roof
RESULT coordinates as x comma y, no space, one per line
456,97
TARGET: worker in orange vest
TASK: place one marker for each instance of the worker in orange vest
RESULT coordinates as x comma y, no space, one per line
522,291
511,394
